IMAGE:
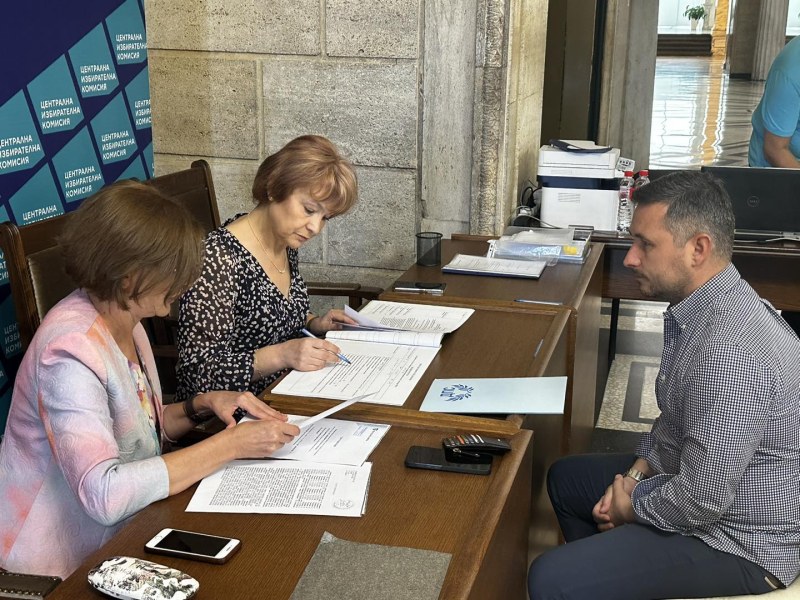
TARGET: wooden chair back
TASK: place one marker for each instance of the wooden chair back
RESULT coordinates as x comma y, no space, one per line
36,268
193,188
35,271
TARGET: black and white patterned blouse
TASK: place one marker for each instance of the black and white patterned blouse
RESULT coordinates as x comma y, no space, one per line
230,312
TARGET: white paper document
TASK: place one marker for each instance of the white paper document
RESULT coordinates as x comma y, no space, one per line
500,267
333,441
406,316
507,395
407,338
390,371
284,487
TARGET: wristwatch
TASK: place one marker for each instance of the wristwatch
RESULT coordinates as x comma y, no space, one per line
196,417
635,474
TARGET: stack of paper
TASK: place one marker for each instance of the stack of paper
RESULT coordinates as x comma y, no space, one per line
566,244
388,369
498,267
287,487
322,472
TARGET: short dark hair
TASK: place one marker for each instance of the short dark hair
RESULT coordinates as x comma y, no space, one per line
130,229
308,162
696,202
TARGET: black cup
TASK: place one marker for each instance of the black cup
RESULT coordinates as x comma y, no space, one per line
429,248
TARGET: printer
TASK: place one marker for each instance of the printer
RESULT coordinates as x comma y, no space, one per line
579,185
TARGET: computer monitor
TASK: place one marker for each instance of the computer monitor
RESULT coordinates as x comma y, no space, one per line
766,202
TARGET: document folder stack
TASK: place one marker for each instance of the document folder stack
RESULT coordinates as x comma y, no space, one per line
570,244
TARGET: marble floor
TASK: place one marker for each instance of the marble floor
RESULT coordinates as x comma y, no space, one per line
700,117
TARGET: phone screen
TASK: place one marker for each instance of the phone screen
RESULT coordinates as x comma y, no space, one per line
196,543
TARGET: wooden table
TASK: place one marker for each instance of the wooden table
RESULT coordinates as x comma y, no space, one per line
481,521
772,269
576,287
496,341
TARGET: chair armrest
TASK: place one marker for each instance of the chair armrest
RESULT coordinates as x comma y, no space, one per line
357,294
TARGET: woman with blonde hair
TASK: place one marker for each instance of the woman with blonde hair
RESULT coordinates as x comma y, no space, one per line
242,322
82,451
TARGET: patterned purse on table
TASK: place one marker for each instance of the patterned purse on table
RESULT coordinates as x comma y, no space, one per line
131,578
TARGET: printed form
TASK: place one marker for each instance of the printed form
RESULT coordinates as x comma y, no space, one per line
284,487
331,440
388,371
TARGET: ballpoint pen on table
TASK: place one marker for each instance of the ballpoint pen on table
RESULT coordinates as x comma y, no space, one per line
537,301
342,357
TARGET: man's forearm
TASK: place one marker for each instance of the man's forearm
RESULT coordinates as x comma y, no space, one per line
777,151
782,158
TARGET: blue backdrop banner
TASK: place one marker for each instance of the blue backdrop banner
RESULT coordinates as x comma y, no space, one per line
74,116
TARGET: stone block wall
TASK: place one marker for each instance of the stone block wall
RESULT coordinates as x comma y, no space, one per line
436,102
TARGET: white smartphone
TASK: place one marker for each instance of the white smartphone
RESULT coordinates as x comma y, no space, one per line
196,546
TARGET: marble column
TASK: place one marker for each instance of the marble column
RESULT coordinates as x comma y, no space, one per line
708,20
771,35
742,40
628,72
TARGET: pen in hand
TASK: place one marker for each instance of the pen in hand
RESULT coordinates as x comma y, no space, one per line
342,357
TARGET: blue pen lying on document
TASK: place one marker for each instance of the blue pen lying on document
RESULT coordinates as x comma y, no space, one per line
342,357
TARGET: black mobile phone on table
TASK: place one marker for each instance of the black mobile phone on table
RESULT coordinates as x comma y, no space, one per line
422,457
420,287
193,545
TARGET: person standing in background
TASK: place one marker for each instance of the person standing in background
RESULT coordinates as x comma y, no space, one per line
775,141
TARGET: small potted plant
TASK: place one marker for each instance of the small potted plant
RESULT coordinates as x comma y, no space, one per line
694,13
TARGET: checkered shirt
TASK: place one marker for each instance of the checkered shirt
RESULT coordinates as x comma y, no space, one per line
726,447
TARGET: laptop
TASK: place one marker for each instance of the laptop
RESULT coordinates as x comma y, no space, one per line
766,202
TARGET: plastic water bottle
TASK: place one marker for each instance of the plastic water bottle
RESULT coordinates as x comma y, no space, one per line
642,179
625,205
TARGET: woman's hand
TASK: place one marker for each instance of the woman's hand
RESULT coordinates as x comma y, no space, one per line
308,354
224,404
256,439
332,320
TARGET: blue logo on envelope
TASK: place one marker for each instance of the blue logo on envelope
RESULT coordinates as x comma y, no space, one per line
456,392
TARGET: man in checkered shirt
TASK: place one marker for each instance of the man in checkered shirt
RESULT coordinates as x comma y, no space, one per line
709,504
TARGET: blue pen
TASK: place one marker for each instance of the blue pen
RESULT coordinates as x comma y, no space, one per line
342,357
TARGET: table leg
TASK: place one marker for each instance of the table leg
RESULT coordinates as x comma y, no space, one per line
612,331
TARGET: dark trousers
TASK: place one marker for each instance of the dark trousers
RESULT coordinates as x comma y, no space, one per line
633,561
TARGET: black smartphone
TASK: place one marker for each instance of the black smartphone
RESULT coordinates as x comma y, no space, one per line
422,457
189,544
420,287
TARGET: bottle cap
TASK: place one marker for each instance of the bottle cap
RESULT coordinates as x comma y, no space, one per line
643,172
628,173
